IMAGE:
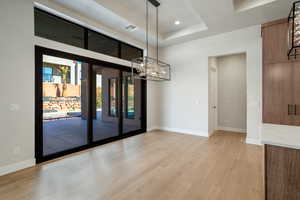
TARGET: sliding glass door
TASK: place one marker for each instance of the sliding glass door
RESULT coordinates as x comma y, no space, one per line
106,114
132,99
65,104
82,102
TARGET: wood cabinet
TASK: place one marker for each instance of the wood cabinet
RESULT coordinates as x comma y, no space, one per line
281,77
282,175
296,93
278,95
275,42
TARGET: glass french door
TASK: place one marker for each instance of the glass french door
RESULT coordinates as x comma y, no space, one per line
81,103
105,105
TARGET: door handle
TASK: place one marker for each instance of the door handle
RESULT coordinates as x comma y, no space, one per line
295,109
290,108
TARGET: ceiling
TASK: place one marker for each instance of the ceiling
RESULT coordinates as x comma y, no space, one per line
199,18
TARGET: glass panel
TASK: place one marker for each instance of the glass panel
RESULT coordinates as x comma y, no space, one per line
129,52
103,44
112,97
65,104
53,28
47,74
132,97
105,108
129,98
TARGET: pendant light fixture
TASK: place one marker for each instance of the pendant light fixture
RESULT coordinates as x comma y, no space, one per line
148,68
294,30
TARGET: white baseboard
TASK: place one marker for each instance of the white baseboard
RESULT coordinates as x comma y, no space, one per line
253,141
152,129
232,129
16,166
185,131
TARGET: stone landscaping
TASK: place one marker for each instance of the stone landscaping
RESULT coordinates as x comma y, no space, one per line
61,104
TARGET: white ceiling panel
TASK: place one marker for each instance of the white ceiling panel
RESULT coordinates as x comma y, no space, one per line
199,18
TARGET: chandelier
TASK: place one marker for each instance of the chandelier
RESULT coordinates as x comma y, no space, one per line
148,68
294,30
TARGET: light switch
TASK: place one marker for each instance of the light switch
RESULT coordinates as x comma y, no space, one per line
14,107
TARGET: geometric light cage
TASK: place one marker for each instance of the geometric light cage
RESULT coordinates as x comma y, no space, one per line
148,68
151,69
294,30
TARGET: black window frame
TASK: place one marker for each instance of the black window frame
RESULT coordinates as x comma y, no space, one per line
86,37
64,22
39,52
124,45
104,36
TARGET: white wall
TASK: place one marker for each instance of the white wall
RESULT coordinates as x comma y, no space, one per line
17,82
16,85
232,92
184,100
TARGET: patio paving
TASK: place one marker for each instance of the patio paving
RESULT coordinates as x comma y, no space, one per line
69,133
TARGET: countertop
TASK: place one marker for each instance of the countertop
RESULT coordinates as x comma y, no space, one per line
281,135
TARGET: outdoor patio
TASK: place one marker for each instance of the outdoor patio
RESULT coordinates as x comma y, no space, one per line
67,133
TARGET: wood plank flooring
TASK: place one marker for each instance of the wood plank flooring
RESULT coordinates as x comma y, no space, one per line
153,166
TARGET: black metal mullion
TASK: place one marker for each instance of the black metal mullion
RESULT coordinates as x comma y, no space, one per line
120,102
91,85
39,153
126,96
144,105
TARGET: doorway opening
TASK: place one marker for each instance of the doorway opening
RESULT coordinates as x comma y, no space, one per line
227,93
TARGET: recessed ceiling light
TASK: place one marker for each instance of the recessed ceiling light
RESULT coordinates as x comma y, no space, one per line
177,22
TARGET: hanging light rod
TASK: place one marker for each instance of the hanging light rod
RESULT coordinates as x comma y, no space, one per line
154,3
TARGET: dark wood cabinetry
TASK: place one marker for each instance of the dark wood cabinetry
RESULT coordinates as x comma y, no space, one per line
281,77
282,173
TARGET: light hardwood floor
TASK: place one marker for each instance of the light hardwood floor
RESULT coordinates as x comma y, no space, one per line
152,166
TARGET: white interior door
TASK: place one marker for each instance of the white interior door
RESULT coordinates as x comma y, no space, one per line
213,90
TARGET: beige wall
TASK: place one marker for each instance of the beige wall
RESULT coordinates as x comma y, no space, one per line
232,92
